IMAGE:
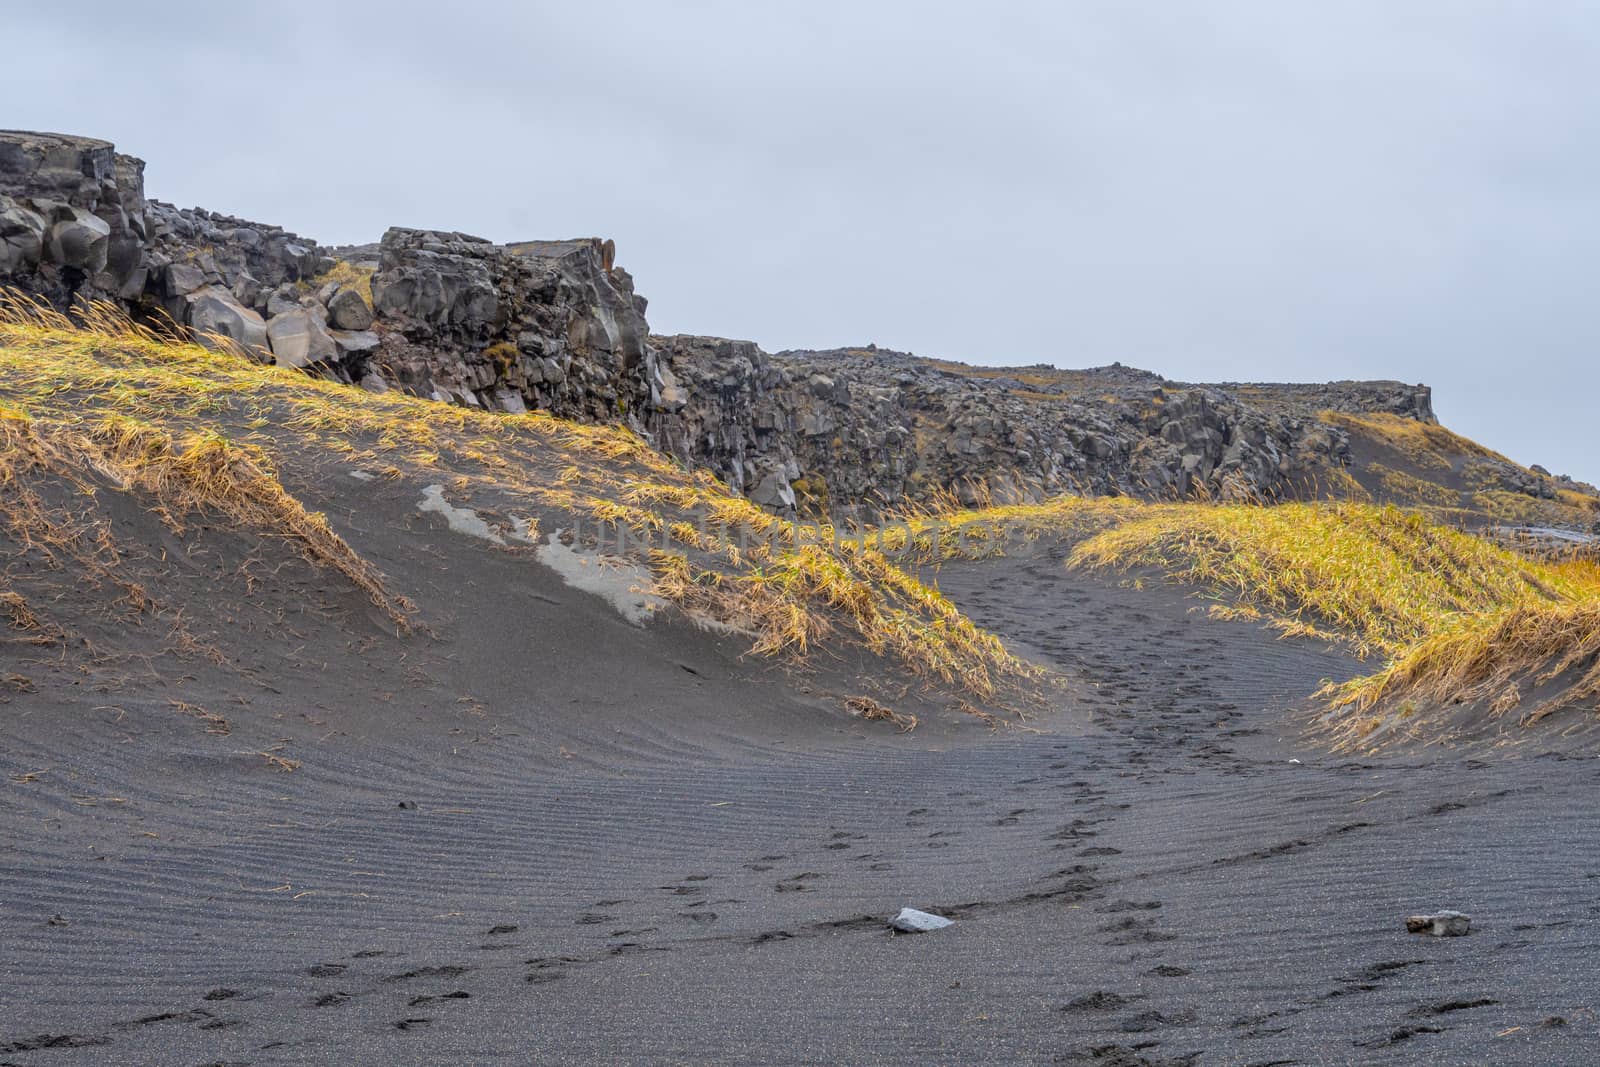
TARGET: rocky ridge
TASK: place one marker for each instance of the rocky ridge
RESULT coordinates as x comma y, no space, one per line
558,326
855,431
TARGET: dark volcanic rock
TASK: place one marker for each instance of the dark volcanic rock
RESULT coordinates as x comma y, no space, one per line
856,431
214,312
72,215
539,324
348,310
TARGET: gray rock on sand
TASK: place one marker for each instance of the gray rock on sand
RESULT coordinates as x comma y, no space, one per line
1439,924
912,921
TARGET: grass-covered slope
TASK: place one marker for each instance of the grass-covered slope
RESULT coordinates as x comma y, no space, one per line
1378,576
1421,465
95,413
1459,620
1532,659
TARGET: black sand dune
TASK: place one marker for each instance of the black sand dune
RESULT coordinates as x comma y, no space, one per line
537,833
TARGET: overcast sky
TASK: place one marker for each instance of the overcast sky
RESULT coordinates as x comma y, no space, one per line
1212,190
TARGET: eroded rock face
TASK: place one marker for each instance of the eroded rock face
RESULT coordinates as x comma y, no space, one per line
861,431
540,324
91,202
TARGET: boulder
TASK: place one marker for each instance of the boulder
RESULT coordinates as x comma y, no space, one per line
510,402
183,278
134,287
22,233
247,290
348,310
774,491
282,300
78,239
213,313
299,339
355,342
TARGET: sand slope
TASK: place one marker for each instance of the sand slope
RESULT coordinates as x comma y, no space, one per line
538,833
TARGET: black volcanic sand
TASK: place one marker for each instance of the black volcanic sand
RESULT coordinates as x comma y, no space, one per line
540,834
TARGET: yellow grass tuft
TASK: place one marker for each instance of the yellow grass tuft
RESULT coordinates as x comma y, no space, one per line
344,273
1487,659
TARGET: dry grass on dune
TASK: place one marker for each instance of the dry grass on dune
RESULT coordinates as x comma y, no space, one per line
1567,509
1453,478
1461,620
1381,577
1398,486
1532,659
101,401
201,473
196,432
1377,577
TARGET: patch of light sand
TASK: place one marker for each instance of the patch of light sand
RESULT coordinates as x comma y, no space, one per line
624,585
461,520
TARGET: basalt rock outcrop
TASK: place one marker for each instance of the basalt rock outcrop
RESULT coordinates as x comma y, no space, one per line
75,224
854,432
553,325
72,215
557,326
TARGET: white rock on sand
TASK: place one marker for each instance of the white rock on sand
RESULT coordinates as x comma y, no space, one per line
1439,924
912,921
